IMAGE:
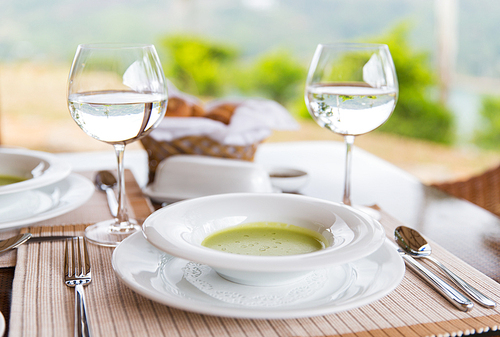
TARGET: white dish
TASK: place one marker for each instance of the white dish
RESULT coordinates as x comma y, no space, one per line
38,168
183,177
335,279
163,197
2,324
179,229
21,205
160,277
288,179
71,193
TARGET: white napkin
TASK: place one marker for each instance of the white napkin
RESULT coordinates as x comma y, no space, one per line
253,121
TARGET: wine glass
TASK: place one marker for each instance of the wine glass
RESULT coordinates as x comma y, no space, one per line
116,94
351,89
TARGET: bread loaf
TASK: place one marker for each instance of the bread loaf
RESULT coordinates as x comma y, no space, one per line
177,107
222,113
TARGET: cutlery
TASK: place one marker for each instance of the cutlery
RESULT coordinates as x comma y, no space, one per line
77,275
105,181
14,242
415,245
35,239
448,292
19,239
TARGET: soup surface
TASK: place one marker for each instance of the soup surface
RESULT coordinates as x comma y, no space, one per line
266,238
6,180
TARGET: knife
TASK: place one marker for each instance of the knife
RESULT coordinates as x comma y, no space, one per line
34,239
18,240
450,293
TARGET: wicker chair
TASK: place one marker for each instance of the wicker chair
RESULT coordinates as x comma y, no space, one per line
482,190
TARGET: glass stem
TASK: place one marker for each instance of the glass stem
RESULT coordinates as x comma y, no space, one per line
349,141
121,214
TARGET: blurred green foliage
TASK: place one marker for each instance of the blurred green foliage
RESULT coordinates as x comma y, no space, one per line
488,136
209,69
416,115
197,65
275,75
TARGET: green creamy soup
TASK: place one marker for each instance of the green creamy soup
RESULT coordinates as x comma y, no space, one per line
266,238
6,180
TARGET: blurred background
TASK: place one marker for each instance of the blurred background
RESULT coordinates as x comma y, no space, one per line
447,55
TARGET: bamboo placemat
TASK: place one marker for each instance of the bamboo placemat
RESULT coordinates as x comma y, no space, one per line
43,305
92,211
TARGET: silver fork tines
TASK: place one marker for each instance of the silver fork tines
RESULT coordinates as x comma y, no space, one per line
77,275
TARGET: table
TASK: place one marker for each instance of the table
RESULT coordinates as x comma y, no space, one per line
444,219
466,230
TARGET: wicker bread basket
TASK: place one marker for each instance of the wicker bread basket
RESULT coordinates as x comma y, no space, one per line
198,145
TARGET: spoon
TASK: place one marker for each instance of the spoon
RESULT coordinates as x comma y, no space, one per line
415,245
106,181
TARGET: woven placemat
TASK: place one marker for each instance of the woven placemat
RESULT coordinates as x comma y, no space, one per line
43,305
94,210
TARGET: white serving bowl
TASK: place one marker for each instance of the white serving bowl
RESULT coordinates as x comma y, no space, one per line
183,177
288,179
179,229
38,168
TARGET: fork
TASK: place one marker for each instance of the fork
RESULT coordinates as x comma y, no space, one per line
77,275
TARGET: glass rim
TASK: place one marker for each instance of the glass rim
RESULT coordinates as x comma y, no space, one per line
117,45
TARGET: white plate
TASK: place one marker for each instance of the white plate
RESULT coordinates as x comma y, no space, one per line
288,179
2,324
161,196
21,205
170,198
62,197
160,277
39,168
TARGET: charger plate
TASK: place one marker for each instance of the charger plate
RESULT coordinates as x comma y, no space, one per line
162,278
19,209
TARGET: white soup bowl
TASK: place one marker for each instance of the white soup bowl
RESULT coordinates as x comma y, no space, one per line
180,228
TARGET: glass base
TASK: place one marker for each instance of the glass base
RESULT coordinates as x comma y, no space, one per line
108,233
